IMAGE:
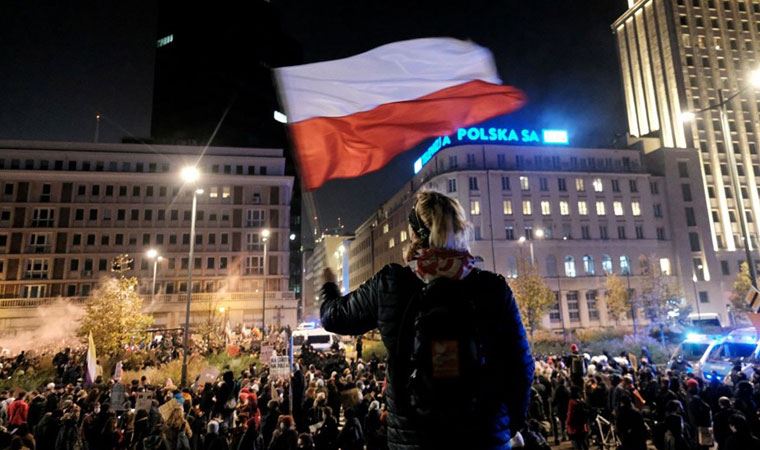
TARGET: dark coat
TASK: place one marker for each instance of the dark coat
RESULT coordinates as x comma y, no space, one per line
381,302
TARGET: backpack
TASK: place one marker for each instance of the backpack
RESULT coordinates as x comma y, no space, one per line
577,368
447,360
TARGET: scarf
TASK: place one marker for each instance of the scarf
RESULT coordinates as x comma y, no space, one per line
431,263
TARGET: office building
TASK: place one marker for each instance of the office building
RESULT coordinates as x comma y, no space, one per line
330,251
677,58
67,209
599,212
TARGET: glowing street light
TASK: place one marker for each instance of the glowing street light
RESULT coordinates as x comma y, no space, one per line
280,117
688,116
190,174
754,78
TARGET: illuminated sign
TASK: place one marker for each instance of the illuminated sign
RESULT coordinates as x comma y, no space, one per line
496,135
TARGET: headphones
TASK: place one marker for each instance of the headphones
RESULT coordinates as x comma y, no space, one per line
419,227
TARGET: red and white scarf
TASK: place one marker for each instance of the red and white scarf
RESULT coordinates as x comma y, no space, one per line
431,263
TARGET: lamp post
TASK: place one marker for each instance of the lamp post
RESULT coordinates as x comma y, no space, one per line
696,291
628,296
264,238
538,234
689,116
153,254
189,175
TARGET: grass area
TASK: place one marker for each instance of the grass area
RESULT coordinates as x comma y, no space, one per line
595,342
37,378
173,370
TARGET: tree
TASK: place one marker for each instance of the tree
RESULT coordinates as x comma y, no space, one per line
113,314
616,297
742,285
658,296
534,297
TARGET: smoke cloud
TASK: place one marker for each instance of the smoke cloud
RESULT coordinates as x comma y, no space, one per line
51,327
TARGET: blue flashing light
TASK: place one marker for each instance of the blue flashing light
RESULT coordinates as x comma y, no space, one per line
473,135
694,336
708,376
555,137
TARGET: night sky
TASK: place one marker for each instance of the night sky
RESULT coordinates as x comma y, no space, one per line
63,62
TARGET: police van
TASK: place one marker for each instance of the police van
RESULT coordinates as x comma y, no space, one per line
691,351
317,337
738,347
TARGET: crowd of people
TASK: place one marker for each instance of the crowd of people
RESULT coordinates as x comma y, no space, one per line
331,401
327,402
644,402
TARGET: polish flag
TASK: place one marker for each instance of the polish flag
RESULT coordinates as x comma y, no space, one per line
351,116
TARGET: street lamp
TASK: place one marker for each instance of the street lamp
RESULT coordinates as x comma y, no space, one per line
539,234
264,238
696,292
153,254
190,175
690,116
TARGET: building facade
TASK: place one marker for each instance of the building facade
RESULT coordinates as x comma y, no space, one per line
330,251
679,56
68,209
600,211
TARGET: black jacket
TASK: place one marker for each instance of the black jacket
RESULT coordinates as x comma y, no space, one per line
380,303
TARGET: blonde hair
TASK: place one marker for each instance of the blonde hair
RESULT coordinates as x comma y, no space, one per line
445,218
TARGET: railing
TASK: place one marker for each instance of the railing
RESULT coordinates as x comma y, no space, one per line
203,297
43,223
34,275
38,248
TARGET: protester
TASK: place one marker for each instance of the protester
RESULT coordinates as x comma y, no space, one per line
474,309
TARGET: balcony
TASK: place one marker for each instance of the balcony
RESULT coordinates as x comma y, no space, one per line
35,275
43,223
38,248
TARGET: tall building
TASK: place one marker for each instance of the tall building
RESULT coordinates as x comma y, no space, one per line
67,209
330,251
213,84
600,211
678,56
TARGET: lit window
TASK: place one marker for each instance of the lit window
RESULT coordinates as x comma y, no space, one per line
618,208
588,264
580,185
392,243
569,266
625,265
385,228
226,192
527,210
582,208
475,207
600,211
166,40
507,207
598,185
636,208
564,208
546,207
404,236
665,266
213,192
524,184
607,264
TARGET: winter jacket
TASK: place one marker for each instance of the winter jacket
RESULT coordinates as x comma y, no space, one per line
17,412
381,302
577,418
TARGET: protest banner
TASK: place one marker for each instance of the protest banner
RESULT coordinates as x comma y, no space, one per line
144,400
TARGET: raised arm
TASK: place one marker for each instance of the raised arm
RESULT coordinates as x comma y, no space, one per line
354,313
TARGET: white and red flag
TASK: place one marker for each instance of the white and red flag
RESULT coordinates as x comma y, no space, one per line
351,116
